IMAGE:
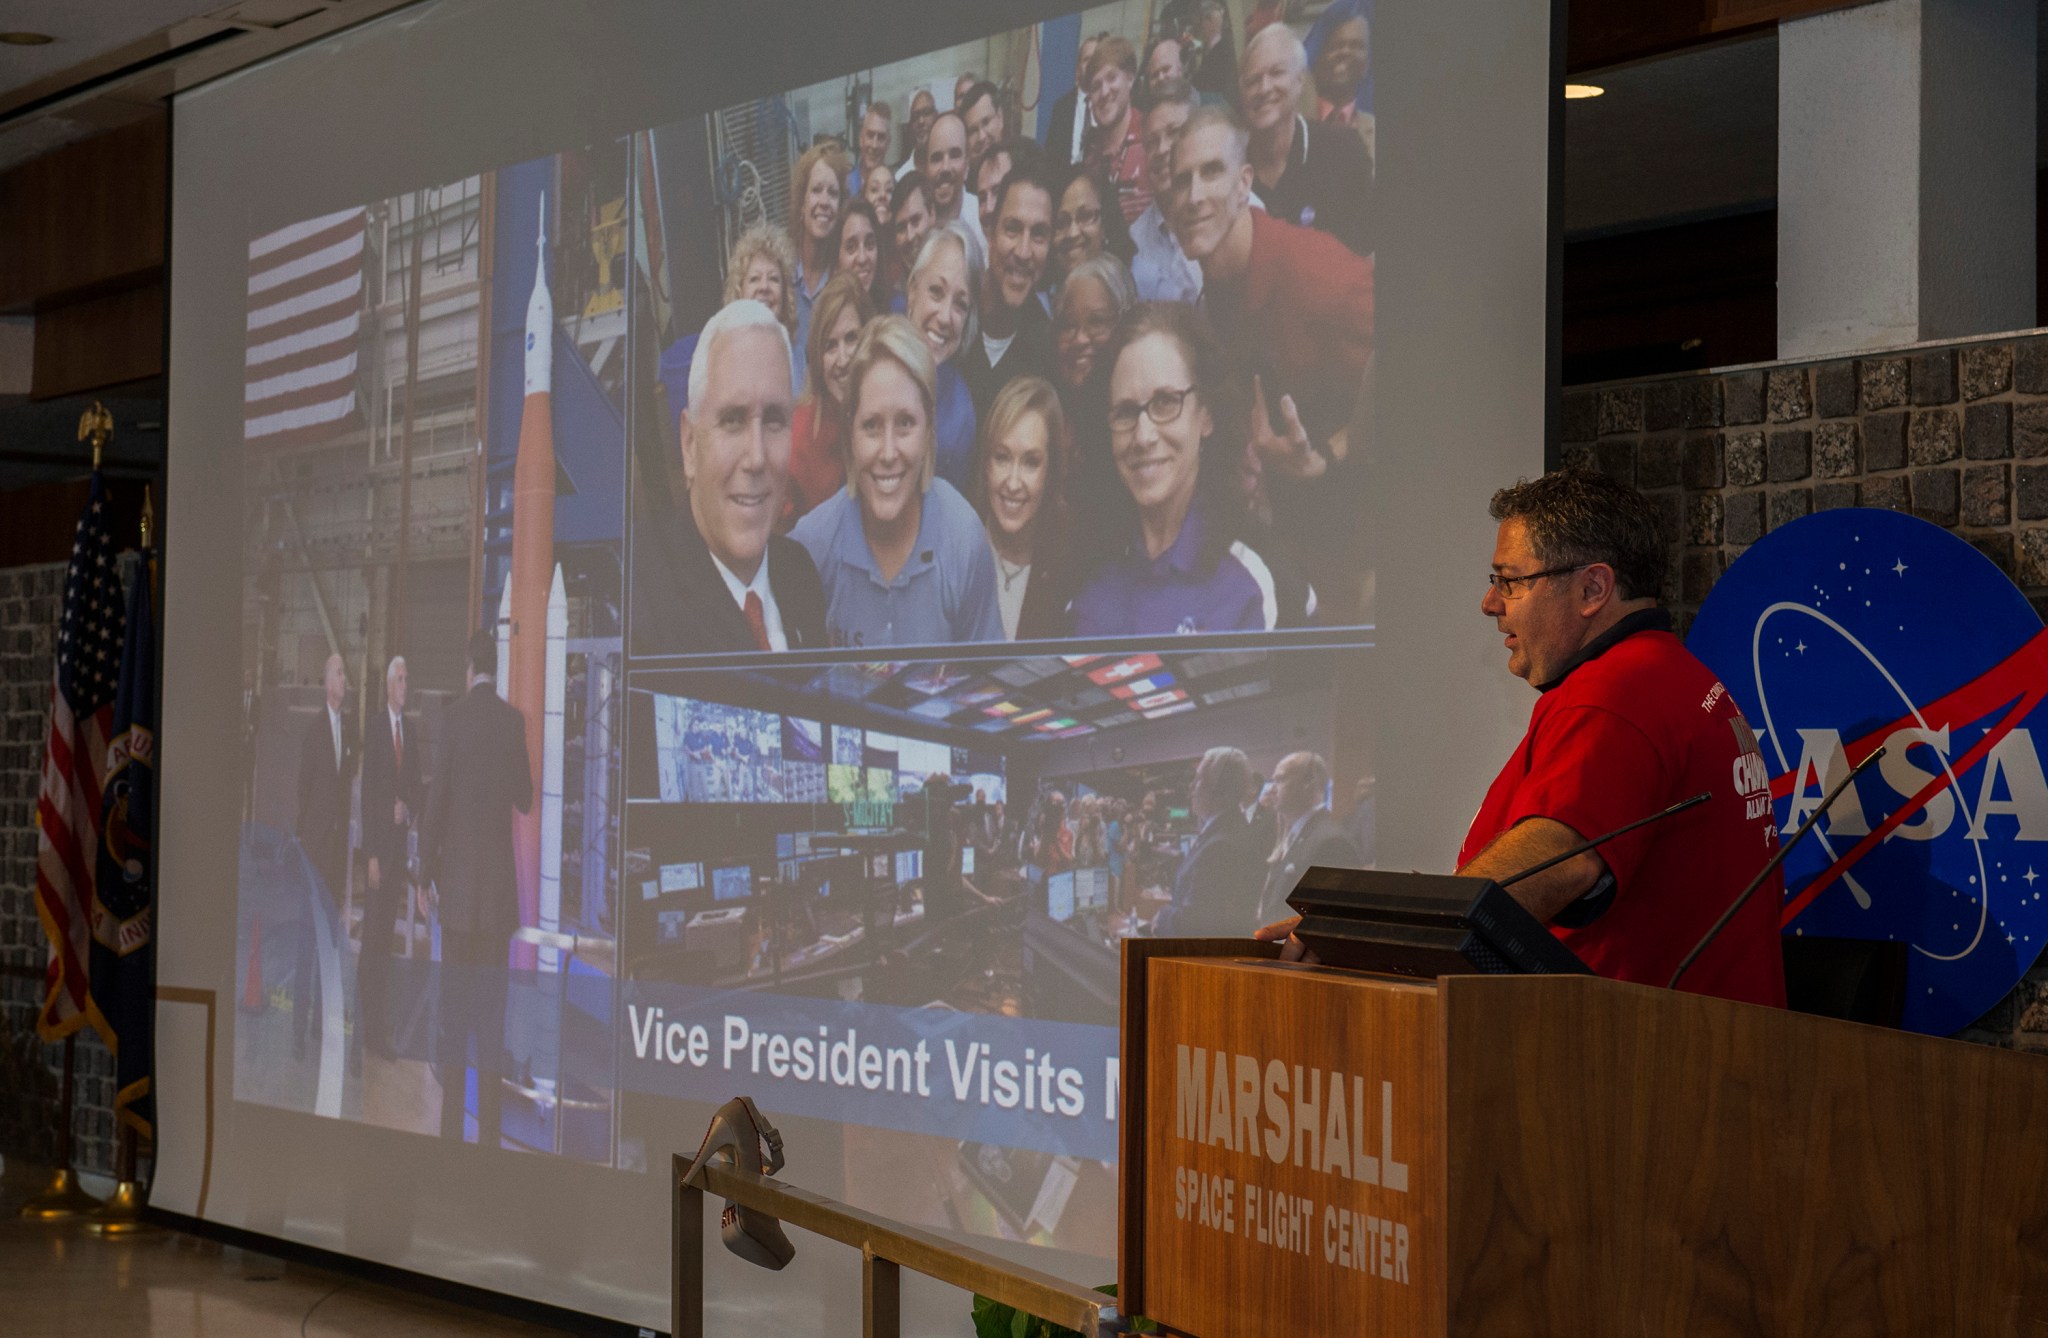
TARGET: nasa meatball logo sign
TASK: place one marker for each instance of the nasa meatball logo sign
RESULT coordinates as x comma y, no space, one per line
1854,629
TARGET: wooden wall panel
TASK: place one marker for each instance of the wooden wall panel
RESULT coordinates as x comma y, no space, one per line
96,342
85,217
1729,15
43,517
1610,32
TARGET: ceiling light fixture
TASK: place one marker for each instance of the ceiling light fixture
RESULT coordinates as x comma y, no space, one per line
1573,92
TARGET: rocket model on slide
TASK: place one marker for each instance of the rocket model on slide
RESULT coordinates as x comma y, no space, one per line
533,563
548,796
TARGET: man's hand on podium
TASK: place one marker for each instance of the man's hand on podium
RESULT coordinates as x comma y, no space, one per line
1293,949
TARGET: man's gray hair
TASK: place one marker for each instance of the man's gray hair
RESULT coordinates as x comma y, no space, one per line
1226,773
1107,270
1318,771
745,314
1297,52
1576,517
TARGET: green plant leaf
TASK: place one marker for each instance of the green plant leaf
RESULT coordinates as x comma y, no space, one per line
991,1320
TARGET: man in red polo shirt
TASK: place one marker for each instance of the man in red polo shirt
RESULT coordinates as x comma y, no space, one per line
1293,303
1294,307
1629,722
1116,143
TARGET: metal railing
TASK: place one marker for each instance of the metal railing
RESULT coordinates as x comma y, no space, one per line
886,1249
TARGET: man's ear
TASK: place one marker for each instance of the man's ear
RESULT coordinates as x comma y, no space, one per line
1597,587
689,450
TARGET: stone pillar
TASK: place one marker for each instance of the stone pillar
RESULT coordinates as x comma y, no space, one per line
1905,174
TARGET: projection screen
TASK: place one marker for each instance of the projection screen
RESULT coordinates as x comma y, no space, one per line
575,717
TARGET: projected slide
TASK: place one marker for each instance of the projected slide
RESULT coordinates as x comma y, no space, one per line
585,494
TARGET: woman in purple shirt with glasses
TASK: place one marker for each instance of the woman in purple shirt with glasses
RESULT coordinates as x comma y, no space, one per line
1195,564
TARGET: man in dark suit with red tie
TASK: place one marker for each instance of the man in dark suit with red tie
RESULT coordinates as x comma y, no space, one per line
327,762
719,579
481,777
391,794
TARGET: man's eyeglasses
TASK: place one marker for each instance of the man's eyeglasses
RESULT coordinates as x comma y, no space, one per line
1162,408
1504,586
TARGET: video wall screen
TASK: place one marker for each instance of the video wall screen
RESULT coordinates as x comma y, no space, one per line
940,965
767,595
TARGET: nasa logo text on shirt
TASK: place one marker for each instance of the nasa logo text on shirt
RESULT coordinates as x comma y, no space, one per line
1855,629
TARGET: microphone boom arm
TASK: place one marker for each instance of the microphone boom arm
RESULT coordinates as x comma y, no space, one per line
1775,861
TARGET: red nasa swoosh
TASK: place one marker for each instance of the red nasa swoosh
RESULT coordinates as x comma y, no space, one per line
2021,678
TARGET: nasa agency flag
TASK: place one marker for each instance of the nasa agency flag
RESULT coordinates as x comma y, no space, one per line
123,953
1856,629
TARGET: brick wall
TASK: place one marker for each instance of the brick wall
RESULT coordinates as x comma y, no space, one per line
1957,435
30,1071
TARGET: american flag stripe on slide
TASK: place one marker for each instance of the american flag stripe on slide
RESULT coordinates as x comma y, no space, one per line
305,323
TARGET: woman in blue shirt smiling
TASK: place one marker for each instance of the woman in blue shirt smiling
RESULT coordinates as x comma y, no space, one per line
1177,437
903,557
939,299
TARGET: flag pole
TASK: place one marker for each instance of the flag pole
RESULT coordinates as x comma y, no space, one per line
96,425
121,1214
63,1199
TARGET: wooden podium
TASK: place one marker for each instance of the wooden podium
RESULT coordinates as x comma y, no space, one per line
1311,1151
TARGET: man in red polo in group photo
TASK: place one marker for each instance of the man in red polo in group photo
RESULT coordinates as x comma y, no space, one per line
1294,308
1628,723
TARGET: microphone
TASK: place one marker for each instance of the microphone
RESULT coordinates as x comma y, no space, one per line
1584,846
1775,860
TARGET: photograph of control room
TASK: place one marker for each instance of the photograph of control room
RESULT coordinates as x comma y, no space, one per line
977,835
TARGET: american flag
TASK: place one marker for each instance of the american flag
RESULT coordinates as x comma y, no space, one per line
304,322
68,806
